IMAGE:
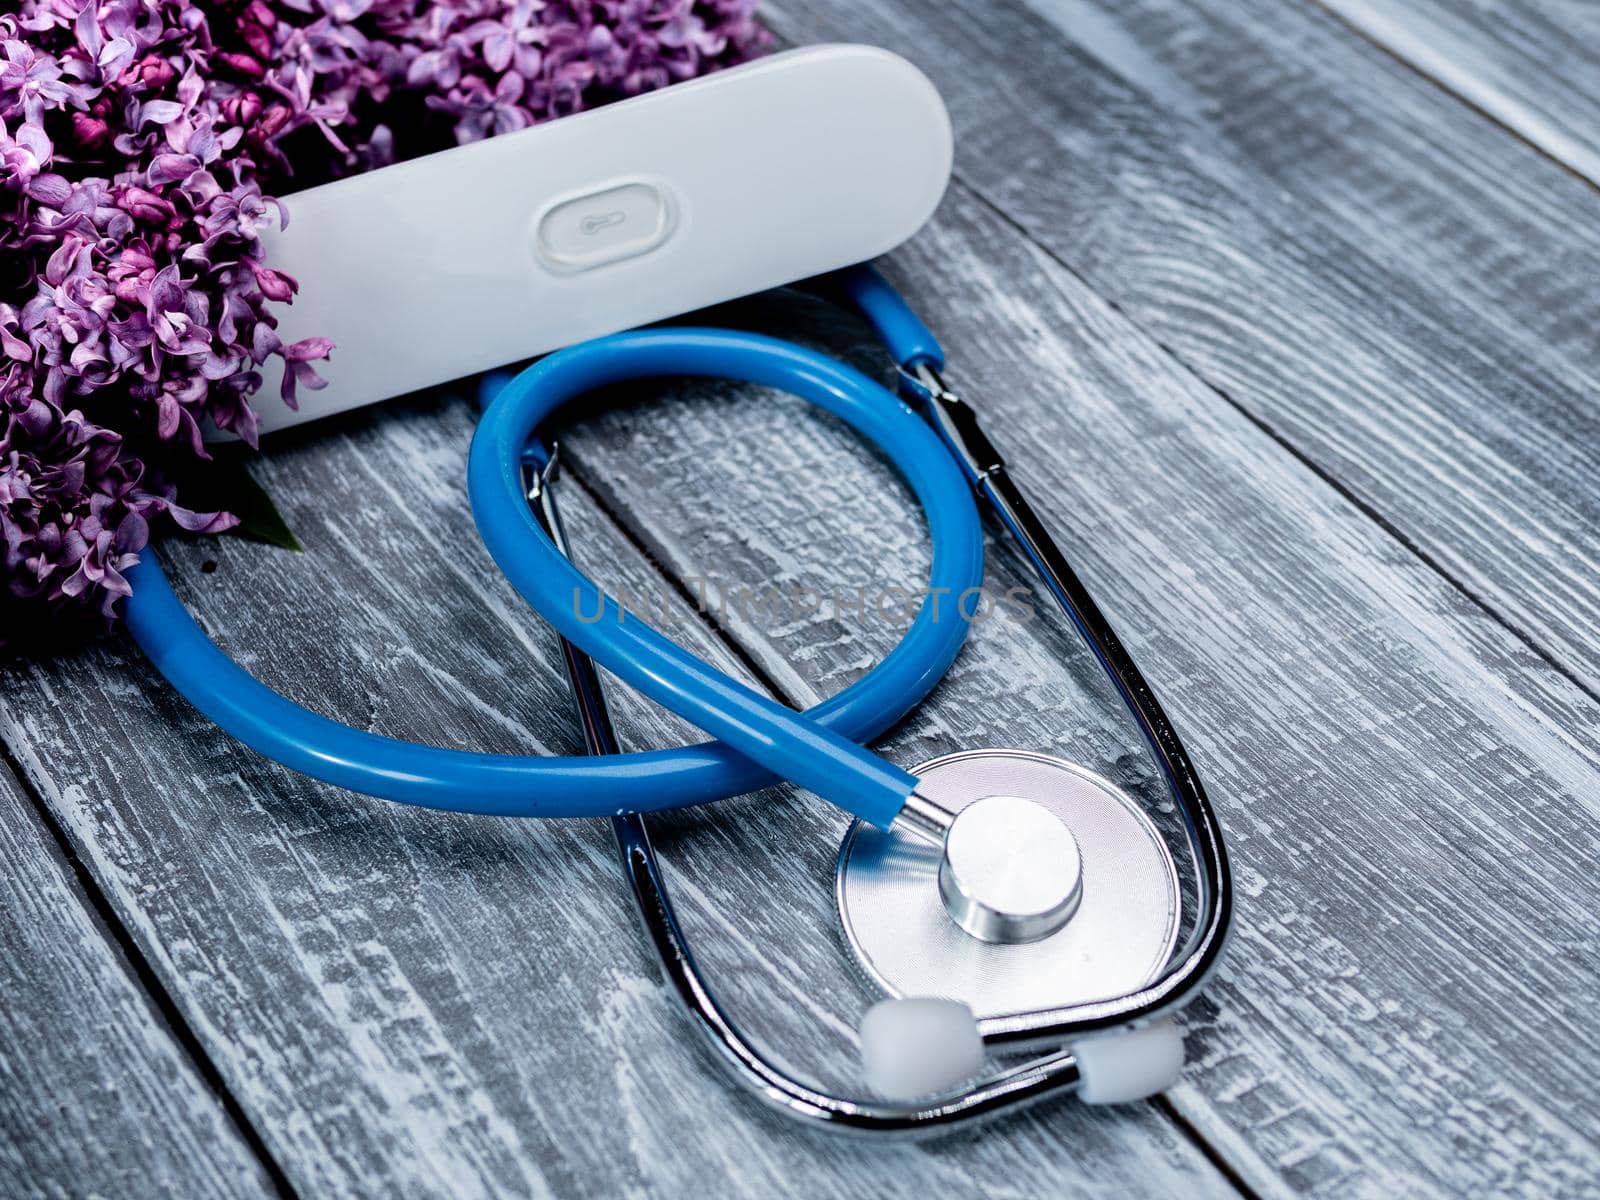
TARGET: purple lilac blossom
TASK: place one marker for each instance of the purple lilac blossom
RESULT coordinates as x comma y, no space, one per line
140,142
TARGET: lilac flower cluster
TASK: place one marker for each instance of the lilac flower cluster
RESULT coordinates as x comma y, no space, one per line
136,140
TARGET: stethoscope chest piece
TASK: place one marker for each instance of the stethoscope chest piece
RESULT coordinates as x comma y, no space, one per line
1100,921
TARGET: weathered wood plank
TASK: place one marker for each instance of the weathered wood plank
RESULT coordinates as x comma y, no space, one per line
422,1004
1399,289
1409,793
97,1098
1535,68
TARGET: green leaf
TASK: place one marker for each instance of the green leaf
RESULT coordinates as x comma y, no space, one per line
259,518
225,484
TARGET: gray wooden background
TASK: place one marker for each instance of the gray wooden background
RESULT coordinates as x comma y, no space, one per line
1288,311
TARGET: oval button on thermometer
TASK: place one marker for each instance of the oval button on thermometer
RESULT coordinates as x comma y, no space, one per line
604,226
692,195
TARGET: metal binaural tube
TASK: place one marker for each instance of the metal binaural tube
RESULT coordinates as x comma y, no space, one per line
957,425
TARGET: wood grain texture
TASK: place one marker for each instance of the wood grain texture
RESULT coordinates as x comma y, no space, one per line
1392,284
1409,794
96,1096
415,1003
1535,68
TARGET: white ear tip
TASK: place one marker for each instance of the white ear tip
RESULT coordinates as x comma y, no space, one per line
918,1047
1131,1064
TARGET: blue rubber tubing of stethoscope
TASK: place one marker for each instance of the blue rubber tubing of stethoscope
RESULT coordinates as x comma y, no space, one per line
760,738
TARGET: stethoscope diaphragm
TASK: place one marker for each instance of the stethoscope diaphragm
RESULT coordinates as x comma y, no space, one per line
908,938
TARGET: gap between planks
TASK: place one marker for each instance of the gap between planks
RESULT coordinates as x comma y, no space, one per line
144,975
1379,25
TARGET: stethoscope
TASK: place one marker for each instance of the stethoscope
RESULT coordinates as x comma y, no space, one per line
1020,913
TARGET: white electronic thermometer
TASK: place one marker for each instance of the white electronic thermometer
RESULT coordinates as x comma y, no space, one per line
702,192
